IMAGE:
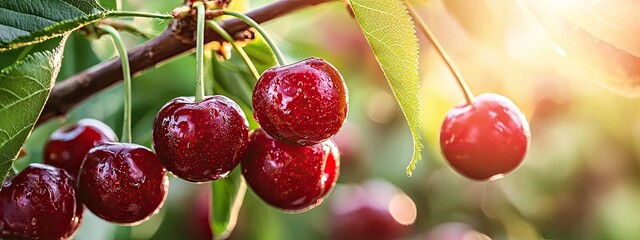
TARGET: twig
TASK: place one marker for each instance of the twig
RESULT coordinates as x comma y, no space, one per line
81,86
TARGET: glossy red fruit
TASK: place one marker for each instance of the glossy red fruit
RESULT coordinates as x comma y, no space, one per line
200,141
292,178
122,183
38,203
67,146
487,139
303,103
375,210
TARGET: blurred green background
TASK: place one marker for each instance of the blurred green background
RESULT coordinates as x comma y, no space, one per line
580,179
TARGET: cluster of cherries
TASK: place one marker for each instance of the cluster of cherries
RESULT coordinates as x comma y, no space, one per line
290,162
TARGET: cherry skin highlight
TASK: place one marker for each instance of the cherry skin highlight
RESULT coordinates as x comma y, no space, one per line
39,203
200,141
485,140
304,103
122,183
67,146
290,177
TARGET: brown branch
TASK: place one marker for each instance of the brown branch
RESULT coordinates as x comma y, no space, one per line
83,85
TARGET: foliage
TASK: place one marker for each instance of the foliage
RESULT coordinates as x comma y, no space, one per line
390,32
25,86
583,161
28,22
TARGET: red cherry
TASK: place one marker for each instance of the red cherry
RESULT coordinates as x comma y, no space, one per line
200,141
292,178
38,203
374,210
303,103
67,146
486,140
198,222
122,183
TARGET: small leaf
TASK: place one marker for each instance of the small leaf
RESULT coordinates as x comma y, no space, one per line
228,194
391,34
24,89
233,79
260,54
26,22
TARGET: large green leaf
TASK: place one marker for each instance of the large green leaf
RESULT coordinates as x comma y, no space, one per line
24,89
391,34
27,22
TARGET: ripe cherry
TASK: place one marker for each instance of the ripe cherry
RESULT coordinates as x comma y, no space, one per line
122,183
374,210
485,140
303,103
292,178
200,141
39,203
67,146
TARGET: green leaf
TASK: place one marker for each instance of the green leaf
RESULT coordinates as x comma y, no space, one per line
233,79
391,34
78,55
26,22
111,4
228,194
24,89
260,54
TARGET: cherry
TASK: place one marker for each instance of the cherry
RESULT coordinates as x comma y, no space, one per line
289,177
200,141
198,224
303,103
374,210
67,147
39,203
485,140
122,183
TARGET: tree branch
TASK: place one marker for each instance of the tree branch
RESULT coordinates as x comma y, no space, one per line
83,85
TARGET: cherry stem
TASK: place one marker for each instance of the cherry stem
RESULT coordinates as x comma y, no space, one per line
200,52
427,32
224,34
139,14
254,24
118,5
126,74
